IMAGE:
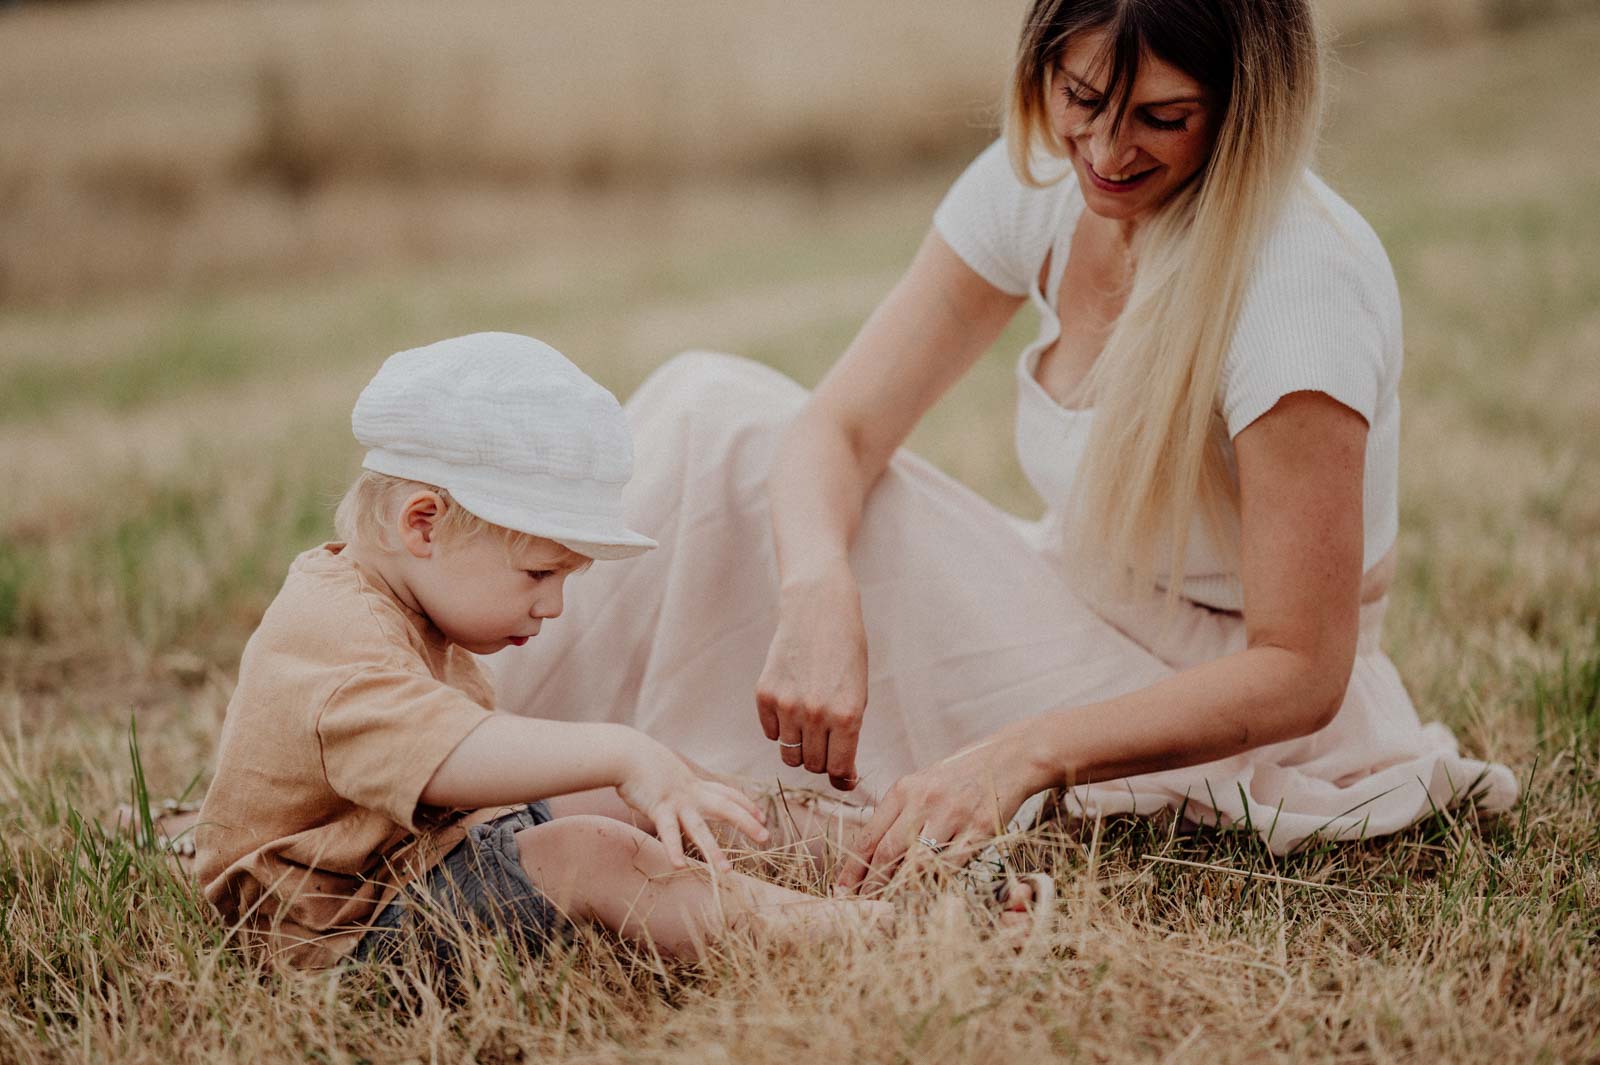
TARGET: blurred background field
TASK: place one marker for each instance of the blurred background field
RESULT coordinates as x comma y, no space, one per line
175,142
217,218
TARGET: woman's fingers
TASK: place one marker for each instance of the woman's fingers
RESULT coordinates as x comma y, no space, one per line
841,762
791,741
964,846
889,852
896,827
859,855
823,741
815,751
767,710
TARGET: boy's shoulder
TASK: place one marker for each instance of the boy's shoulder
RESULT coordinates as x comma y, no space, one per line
329,608
331,622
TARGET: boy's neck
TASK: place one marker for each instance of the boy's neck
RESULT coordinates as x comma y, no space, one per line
386,569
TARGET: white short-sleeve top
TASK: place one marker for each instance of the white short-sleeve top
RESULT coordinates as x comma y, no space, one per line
1322,313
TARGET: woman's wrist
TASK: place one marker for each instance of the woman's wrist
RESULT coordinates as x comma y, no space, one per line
1031,748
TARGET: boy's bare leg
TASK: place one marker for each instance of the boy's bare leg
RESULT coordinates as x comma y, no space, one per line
597,868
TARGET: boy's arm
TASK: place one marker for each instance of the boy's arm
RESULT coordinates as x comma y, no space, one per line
510,759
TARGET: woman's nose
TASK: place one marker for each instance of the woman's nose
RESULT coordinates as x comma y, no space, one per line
1109,155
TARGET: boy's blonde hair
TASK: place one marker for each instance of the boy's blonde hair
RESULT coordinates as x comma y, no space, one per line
367,512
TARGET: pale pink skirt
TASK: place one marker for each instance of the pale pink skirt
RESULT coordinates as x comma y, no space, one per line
970,623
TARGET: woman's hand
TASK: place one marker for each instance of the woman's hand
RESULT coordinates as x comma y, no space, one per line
951,806
936,323
679,800
812,693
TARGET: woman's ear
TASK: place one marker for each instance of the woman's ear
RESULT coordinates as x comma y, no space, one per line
419,517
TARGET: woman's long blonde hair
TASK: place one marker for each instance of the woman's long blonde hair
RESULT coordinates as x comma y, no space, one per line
1156,455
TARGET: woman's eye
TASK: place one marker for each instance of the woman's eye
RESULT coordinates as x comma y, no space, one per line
539,574
1166,123
1076,99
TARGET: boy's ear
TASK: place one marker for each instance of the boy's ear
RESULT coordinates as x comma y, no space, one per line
419,516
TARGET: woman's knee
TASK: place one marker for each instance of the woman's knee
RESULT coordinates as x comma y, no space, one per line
702,411
713,381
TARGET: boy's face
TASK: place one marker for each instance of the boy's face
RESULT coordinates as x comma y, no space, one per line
487,597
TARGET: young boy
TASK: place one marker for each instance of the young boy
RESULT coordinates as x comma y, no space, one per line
362,731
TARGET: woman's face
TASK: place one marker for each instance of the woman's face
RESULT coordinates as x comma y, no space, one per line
1164,140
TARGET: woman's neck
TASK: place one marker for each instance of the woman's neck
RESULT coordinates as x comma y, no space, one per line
1126,229
1120,234
1111,248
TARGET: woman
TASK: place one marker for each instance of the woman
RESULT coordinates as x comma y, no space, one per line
1210,410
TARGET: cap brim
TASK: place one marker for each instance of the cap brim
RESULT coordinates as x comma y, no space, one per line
605,540
604,552
603,544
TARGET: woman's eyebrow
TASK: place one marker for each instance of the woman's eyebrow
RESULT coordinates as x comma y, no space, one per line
1143,103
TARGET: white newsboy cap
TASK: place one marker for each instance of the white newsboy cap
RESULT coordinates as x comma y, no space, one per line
513,430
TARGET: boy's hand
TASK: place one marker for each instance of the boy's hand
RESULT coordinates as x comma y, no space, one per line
734,782
679,801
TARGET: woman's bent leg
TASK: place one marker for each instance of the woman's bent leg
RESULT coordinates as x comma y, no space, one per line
969,628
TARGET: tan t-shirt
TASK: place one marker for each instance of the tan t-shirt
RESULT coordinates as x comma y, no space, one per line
347,703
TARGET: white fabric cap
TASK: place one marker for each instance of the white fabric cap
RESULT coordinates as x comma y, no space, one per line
513,430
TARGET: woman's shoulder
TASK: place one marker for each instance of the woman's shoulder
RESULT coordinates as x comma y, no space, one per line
1321,256
1318,230
1322,313
1002,226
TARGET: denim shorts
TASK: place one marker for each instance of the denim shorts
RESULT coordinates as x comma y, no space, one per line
480,885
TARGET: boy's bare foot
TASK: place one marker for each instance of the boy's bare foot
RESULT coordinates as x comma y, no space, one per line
174,824
1027,906
810,920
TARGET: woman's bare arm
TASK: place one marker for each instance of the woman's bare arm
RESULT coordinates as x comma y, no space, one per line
926,333
919,341
1300,472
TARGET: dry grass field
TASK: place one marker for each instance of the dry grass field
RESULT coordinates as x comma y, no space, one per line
174,440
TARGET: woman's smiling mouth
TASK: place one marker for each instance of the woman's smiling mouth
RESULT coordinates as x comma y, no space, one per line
1124,181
